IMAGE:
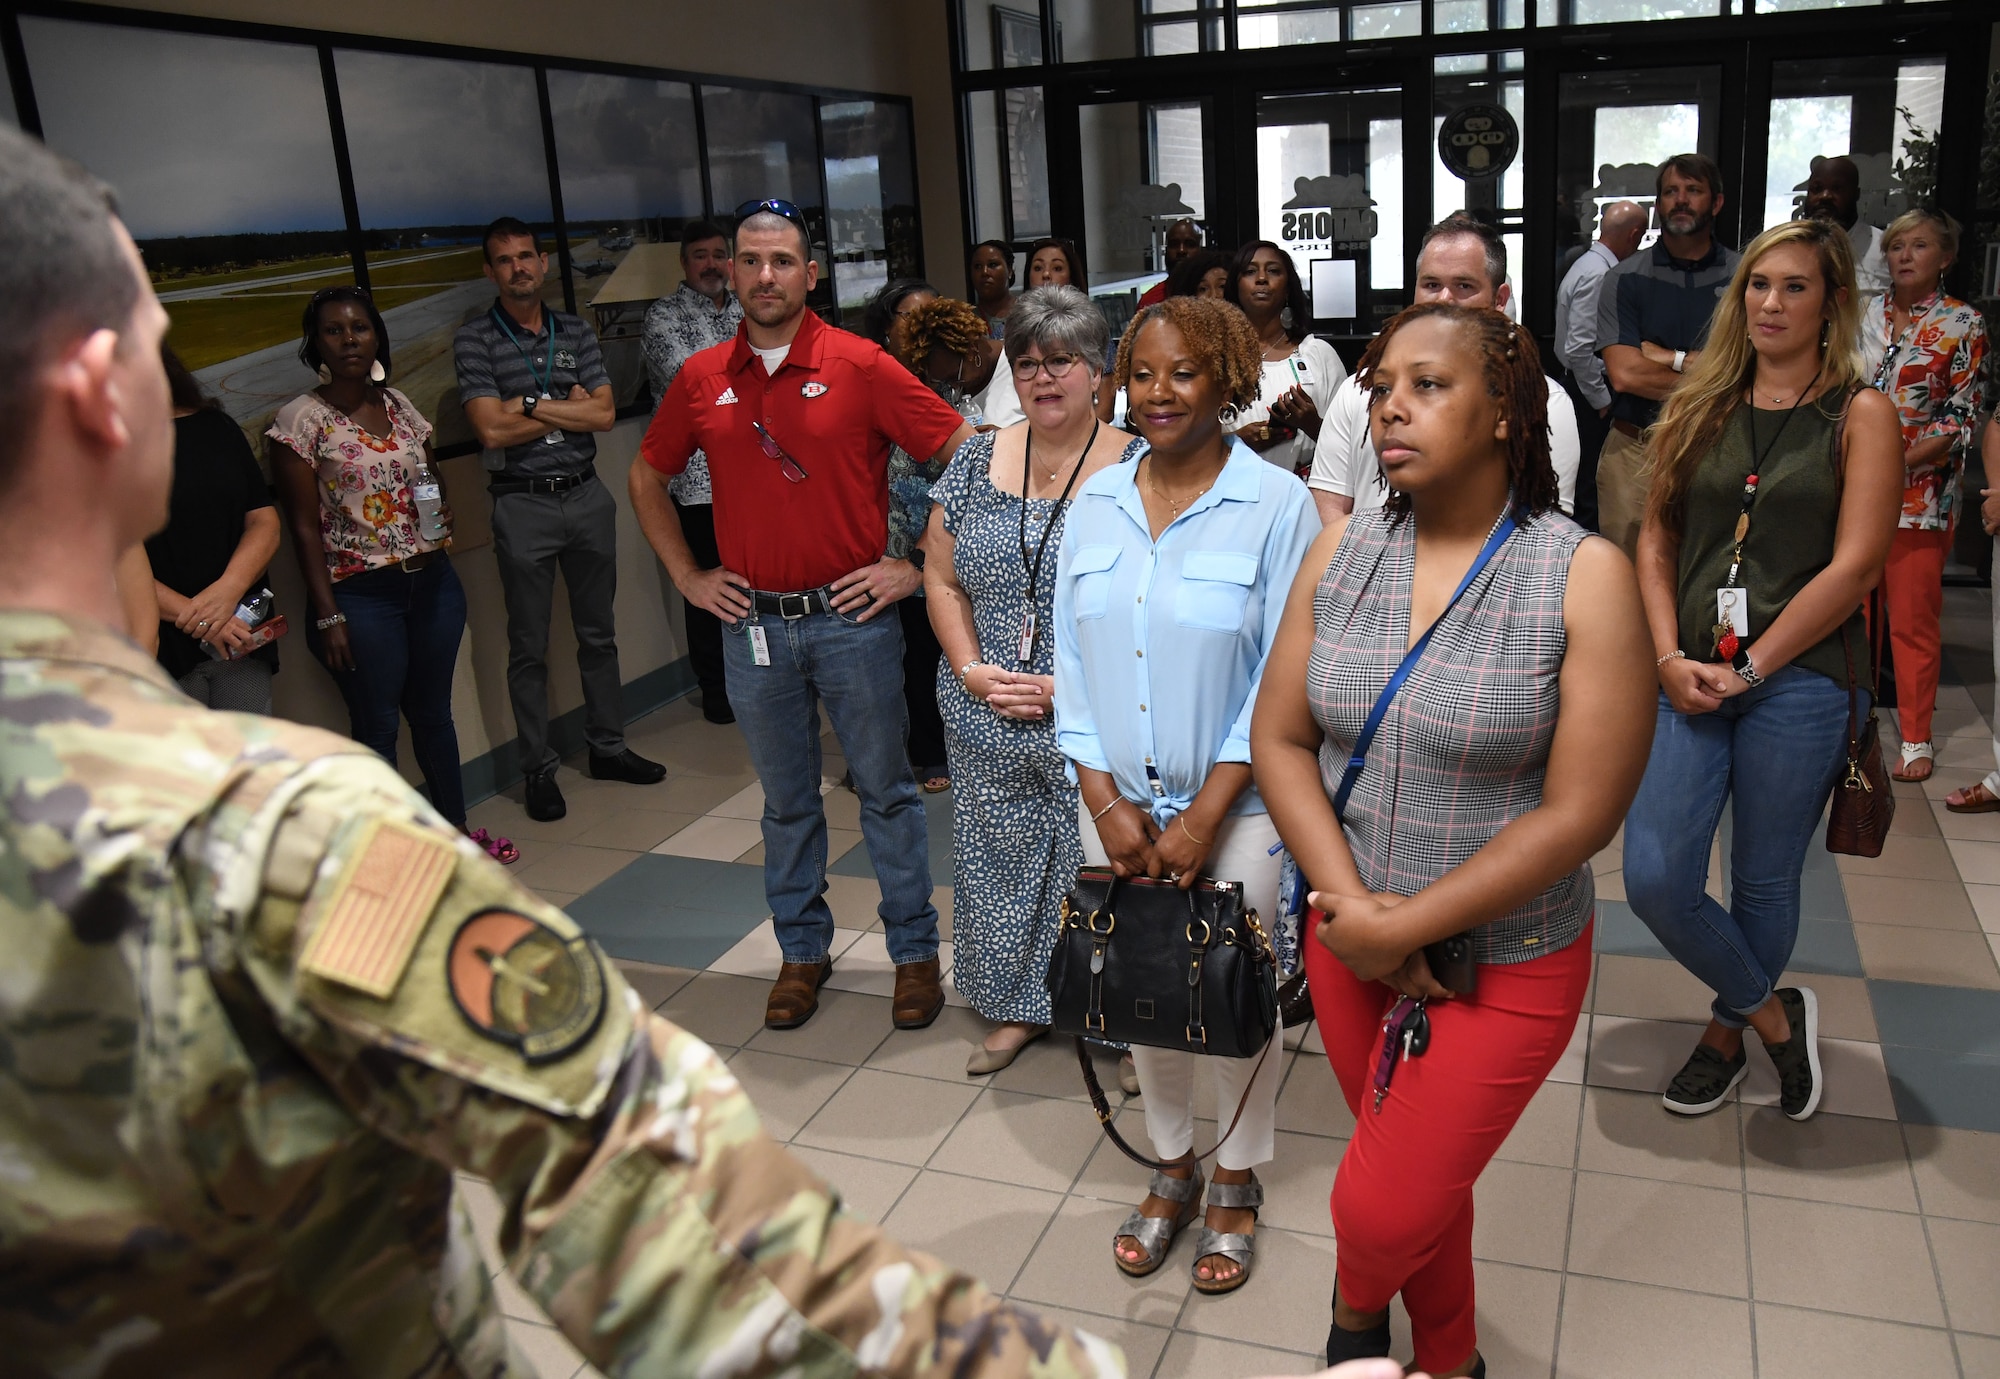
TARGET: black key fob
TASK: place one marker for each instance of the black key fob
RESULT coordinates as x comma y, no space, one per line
1418,1033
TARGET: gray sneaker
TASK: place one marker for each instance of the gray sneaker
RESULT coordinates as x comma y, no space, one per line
1705,1081
1797,1059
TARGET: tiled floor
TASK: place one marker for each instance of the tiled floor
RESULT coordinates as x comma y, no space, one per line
1614,1241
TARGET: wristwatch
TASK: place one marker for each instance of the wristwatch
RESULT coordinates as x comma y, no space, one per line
528,404
1745,669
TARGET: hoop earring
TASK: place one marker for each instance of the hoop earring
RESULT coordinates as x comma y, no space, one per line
377,374
1227,414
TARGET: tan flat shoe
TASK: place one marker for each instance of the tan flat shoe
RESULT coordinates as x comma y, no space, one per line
985,1061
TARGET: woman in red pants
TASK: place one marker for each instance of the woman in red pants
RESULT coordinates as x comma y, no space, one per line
1495,769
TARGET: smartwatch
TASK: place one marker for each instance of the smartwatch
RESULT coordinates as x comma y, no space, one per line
1680,361
528,403
1747,671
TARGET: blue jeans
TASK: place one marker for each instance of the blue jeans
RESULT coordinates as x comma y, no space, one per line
403,630
1775,751
857,668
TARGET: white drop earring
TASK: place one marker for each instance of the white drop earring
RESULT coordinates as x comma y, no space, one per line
377,374
325,374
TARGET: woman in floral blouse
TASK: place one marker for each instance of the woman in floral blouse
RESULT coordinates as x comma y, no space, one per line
1926,350
388,611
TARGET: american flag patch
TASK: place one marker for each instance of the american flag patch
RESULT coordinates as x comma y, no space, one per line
371,925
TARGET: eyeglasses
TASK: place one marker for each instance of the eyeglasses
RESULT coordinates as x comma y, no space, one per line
1058,365
793,470
775,207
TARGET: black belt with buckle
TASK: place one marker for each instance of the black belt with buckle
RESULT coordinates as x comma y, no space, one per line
793,606
562,483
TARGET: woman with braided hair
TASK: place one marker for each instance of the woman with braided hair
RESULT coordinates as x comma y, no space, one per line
1484,661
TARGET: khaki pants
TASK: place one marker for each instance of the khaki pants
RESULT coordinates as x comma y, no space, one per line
1623,482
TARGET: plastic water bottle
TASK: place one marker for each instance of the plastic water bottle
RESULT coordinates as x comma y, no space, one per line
429,498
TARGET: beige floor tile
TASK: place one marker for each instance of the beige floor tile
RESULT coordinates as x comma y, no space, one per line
482,1204
1796,1344
1622,1331
546,1348
1189,1356
560,899
1944,779
1631,1133
1979,1355
515,1302
757,954
838,843
853,900
1612,858
747,803
1142,1344
787,1092
843,808
1047,1067
1983,828
1575,1057
634,830
869,1187
1938,956
1986,904
1923,859
1856,1078
1298,1183
1843,1259
570,867
1968,1263
1845,1010
653,982
1072,1267
1958,1172
725,1011
1638,1055
713,837
697,793
1031,1141
1310,1101
1109,1176
1517,1313
1965,751
1853,1160
1978,862
1649,989
1894,901
887,1116
504,817
1520,1212
1611,885
1547,1130
1917,821
1667,1234
985,1228
1273,1308
941,1050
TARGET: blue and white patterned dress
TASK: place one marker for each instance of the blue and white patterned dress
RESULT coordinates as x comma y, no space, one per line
1015,850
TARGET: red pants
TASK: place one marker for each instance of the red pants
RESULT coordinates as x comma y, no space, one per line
1913,588
1402,1200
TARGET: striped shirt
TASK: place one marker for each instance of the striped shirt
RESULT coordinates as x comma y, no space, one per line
1464,747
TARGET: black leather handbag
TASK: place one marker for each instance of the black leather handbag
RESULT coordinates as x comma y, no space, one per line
1139,961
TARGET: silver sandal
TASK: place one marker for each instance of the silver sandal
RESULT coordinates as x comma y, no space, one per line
1155,1234
1231,1245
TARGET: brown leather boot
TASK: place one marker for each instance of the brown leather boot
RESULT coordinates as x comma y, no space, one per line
919,994
795,995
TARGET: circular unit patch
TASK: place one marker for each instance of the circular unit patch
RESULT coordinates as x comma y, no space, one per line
520,983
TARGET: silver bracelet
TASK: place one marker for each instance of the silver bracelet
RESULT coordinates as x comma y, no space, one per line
967,669
1116,800
336,620
1675,654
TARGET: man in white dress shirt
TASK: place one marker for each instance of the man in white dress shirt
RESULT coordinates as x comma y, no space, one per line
1833,192
1463,261
1620,229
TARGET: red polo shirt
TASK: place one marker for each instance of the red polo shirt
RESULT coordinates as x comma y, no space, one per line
1153,295
835,405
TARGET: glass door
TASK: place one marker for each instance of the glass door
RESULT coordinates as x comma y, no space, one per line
1145,167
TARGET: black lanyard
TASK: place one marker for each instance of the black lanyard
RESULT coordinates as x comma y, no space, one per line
1750,481
546,378
1028,634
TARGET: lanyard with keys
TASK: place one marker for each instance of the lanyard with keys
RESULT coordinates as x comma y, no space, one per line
1406,1033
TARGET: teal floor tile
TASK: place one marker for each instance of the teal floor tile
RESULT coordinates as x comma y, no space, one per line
1624,934
1935,1088
680,911
1944,1019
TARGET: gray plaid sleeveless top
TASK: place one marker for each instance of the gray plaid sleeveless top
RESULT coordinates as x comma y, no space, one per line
1464,746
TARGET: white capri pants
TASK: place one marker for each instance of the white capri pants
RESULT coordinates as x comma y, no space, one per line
1242,853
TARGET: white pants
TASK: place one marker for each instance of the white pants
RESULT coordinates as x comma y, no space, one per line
1242,853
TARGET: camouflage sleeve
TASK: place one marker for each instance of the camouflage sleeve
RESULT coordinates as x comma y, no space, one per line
646,1209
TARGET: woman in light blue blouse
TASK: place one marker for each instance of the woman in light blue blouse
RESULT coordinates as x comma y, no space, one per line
1173,577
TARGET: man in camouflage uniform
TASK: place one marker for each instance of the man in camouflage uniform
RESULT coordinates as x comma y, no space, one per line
258,1000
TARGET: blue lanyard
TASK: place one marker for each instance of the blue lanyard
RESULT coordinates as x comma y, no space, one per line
1410,659
546,378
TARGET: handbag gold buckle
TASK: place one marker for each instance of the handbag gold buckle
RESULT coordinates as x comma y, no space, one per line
1110,923
1207,933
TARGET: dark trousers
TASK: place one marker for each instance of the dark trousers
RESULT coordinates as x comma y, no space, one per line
403,630
1591,429
704,631
534,535
920,660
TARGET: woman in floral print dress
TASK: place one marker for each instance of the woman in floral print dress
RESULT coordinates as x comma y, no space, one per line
388,611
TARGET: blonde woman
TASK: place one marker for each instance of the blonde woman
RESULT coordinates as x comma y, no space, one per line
1777,476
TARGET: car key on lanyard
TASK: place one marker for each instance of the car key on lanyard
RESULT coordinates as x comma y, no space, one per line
1406,1033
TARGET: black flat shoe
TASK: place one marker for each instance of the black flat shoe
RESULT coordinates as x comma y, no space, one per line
715,708
627,766
545,798
1343,1345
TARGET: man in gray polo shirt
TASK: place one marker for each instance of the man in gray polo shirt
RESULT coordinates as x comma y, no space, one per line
533,383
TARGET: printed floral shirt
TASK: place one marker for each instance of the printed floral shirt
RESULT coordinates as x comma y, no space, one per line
678,327
367,513
1932,372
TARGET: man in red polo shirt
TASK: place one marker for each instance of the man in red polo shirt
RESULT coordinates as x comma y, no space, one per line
796,419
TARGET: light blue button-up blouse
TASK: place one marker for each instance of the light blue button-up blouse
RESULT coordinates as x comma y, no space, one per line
1160,645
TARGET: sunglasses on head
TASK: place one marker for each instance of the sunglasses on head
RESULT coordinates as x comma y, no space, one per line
774,206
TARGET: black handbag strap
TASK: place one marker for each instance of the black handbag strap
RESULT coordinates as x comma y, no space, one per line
1102,1105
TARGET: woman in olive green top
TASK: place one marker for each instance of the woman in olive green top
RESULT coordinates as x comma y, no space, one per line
1777,482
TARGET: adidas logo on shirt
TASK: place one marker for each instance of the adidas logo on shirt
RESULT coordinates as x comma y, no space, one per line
728,396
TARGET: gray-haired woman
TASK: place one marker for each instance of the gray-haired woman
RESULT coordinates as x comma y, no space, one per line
989,576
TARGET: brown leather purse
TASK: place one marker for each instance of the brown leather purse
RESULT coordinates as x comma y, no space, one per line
1863,804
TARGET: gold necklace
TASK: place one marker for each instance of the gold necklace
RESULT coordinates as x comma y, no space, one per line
1172,506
